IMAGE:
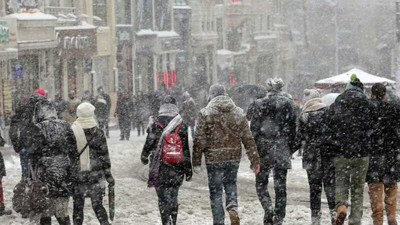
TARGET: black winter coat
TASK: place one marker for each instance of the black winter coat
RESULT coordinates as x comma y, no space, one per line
22,128
170,175
351,121
314,134
52,154
99,158
384,163
274,121
125,107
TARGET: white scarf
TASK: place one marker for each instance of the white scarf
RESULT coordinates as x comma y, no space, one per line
80,137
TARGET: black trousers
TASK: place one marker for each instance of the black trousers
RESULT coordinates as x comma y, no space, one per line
323,177
96,196
125,126
168,204
280,176
103,124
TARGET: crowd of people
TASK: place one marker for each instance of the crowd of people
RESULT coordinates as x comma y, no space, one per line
345,143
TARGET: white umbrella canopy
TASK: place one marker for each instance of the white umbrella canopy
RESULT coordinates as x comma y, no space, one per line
344,78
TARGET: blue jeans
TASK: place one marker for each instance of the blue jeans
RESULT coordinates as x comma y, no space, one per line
24,161
222,176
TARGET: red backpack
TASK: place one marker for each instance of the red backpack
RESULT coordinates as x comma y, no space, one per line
172,147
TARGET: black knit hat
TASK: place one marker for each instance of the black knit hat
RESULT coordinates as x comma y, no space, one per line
379,91
169,100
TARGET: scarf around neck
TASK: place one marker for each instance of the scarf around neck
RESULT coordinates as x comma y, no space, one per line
78,128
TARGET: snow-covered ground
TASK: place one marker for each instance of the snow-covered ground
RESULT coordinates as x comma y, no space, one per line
137,204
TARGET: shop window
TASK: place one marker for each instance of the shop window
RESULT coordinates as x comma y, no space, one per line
100,10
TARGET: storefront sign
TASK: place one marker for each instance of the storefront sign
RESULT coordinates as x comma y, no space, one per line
77,43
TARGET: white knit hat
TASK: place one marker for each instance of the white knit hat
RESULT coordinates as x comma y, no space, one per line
85,110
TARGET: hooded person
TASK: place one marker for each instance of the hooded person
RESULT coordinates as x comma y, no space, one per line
189,111
221,129
313,135
93,165
51,154
274,130
383,171
351,120
167,176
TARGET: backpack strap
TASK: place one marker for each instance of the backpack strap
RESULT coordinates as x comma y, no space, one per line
159,123
178,128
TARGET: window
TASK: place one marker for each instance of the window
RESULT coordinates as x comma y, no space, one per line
100,11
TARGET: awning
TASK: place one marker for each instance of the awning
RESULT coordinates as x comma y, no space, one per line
344,78
8,53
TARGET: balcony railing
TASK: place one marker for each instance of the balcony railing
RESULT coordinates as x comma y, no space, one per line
54,10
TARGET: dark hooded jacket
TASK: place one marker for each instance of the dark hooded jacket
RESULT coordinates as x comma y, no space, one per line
384,160
351,119
170,175
22,128
274,122
52,151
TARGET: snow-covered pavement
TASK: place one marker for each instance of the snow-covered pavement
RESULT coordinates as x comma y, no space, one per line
137,204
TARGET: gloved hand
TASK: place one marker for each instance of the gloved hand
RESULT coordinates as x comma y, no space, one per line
189,175
145,160
110,180
197,169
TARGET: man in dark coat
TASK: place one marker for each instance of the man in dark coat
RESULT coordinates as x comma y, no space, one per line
170,176
351,121
105,110
384,164
274,129
51,155
188,111
93,165
124,112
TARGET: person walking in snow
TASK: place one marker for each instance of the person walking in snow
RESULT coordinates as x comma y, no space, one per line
351,119
102,114
167,173
221,129
188,111
73,103
384,163
22,128
60,105
105,110
274,129
124,113
51,154
313,134
93,165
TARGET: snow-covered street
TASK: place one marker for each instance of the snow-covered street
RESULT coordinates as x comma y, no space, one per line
137,204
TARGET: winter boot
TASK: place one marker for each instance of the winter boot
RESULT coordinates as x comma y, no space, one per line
4,211
234,216
45,221
332,213
375,191
268,218
341,215
390,203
